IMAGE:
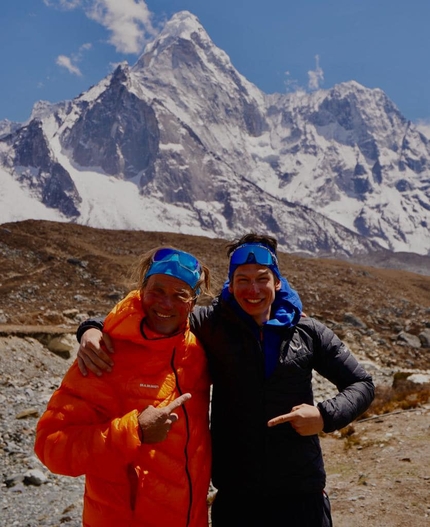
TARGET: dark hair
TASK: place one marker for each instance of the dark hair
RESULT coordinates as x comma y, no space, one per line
252,237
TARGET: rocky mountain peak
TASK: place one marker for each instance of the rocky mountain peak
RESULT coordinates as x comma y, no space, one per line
183,57
121,74
182,31
182,26
332,172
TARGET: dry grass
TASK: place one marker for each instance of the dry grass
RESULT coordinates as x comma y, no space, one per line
402,395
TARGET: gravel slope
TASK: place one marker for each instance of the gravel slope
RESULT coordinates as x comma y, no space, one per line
379,476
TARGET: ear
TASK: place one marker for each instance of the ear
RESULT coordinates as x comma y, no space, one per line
230,288
278,285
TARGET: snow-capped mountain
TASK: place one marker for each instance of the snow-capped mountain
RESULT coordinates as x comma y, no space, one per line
182,142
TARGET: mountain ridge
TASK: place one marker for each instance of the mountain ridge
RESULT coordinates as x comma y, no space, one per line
181,141
46,264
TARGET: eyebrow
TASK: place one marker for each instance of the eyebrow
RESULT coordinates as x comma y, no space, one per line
262,272
182,290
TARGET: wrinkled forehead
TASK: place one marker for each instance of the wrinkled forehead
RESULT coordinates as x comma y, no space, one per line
168,283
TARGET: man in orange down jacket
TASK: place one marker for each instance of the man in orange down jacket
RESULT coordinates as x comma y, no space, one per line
141,434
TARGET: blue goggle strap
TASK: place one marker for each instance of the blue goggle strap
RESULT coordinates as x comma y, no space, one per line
177,264
185,259
251,253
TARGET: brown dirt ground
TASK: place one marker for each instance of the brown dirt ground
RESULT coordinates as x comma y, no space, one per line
380,476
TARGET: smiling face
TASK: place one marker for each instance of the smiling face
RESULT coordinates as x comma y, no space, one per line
167,302
254,287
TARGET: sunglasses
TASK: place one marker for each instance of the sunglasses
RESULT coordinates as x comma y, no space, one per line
253,253
184,259
178,264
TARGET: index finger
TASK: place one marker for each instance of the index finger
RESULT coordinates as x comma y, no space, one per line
178,402
108,343
95,358
281,419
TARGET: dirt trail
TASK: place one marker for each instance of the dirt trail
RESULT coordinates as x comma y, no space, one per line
380,476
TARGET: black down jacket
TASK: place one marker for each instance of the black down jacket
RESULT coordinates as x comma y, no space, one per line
247,454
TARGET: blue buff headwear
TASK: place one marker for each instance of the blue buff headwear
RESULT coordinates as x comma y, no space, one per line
253,253
178,264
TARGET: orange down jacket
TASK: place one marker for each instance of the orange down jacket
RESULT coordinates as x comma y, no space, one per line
91,427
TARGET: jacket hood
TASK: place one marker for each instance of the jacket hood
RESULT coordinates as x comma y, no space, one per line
126,319
286,308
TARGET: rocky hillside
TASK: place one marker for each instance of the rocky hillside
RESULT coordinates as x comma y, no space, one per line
55,273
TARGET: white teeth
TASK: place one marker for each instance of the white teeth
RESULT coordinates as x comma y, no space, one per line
254,301
161,315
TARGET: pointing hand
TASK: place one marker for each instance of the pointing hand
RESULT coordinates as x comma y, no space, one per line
155,423
304,418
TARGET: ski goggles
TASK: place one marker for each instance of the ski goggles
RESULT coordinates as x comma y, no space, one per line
253,253
178,264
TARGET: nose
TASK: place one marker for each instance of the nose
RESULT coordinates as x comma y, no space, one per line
166,302
254,286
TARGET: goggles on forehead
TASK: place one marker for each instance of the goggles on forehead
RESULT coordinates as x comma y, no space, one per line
253,253
178,264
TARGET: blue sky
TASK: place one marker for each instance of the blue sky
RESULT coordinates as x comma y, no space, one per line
55,49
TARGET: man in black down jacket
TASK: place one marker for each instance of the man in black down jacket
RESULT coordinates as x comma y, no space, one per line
267,463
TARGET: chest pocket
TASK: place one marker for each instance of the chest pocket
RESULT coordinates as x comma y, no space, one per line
296,362
291,382
150,389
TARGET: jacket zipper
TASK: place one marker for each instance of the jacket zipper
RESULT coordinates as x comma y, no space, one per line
187,471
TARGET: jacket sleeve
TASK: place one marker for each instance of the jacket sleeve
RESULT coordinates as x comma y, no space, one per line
81,433
335,362
97,323
199,318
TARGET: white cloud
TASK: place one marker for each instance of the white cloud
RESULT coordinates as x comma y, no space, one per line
66,62
129,22
423,126
70,63
291,85
316,76
85,47
63,4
